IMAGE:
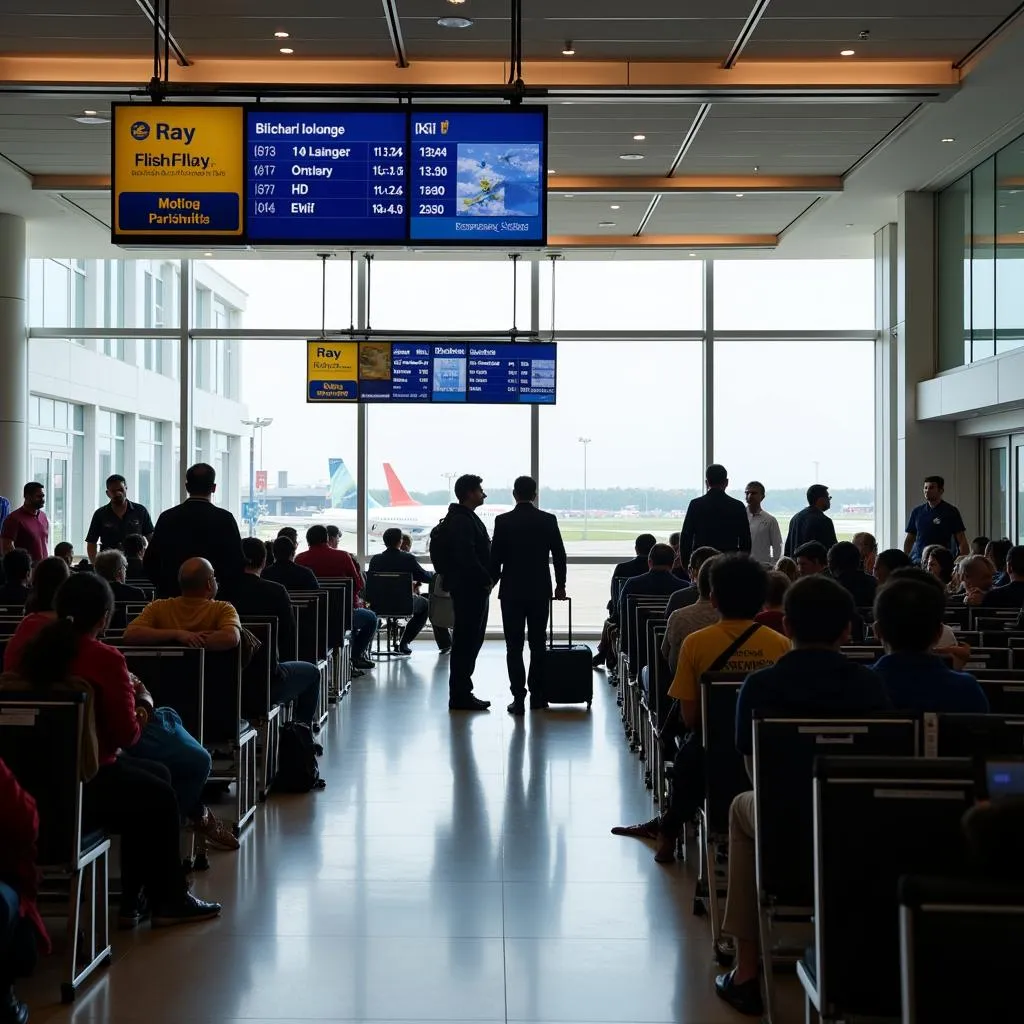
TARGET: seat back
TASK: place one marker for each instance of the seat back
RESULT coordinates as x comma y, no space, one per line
660,674
993,735
863,654
390,594
175,676
876,819
12,611
955,936
645,617
41,743
222,697
342,592
256,676
1005,695
725,774
785,748
957,617
311,630
629,631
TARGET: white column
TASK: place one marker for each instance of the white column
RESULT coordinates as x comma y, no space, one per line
13,358
888,528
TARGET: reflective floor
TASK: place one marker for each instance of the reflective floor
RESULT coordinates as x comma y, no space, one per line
457,867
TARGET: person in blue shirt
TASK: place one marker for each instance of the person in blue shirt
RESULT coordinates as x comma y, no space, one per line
909,610
935,522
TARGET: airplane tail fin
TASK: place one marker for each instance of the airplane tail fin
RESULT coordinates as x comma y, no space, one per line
398,494
343,492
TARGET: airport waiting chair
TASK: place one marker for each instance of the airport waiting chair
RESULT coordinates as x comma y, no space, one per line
312,630
390,596
875,819
258,708
41,742
979,736
1005,691
341,590
175,678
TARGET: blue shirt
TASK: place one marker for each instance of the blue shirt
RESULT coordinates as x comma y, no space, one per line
923,682
938,525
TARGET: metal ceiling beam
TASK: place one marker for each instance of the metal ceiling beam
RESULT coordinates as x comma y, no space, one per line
149,13
394,23
663,242
746,33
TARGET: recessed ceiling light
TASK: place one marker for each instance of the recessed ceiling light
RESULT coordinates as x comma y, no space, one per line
89,113
948,139
551,170
280,35
847,53
287,49
631,156
1020,232
454,22
207,253
691,254
739,195
639,138
568,50
615,206
570,195
91,119
455,3
606,224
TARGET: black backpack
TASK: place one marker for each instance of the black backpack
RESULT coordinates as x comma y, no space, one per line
440,547
297,768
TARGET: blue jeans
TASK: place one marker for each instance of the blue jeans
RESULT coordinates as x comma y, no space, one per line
364,625
298,681
17,939
166,741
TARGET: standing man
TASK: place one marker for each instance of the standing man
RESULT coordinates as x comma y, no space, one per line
765,535
935,522
461,552
194,529
27,526
811,523
112,522
715,520
523,540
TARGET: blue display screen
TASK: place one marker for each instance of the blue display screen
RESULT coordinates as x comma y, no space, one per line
395,371
478,176
507,373
326,176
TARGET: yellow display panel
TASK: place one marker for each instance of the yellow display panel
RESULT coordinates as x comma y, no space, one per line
178,173
332,371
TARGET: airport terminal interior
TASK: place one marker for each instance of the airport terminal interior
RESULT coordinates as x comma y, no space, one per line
346,253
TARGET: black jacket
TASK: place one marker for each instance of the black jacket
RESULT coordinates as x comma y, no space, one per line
135,570
636,566
810,524
124,592
860,585
469,551
291,576
523,540
194,529
397,560
717,521
254,596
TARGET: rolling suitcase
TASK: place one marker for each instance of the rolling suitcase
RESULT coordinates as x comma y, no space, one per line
568,670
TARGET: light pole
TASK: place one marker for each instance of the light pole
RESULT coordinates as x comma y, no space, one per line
260,423
585,441
815,470
450,477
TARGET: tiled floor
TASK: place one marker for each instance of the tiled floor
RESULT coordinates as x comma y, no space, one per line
456,868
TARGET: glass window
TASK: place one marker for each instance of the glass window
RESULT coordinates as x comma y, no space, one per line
794,295
998,487
763,433
635,295
983,278
954,259
1010,247
149,457
109,446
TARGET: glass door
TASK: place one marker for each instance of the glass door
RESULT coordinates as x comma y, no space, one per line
1017,444
50,468
997,488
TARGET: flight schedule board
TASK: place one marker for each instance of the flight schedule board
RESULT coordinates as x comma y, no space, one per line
277,174
404,372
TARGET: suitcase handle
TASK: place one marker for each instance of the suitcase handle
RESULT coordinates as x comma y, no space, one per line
551,621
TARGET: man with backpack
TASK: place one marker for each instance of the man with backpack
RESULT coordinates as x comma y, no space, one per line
461,550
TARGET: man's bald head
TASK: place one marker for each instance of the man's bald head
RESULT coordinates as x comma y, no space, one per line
195,578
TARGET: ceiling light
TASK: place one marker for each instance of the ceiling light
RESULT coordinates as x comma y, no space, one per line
631,156
739,195
207,253
551,170
848,225
280,35
454,22
948,139
611,224
691,254
615,206
287,49
89,113
570,195
639,138
847,53
455,3
1020,232
91,119
568,50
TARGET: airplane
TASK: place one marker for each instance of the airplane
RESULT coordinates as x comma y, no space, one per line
399,500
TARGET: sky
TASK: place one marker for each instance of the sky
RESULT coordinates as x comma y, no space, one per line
787,412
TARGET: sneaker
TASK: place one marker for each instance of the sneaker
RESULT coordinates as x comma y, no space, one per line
363,663
12,1009
745,997
405,651
185,910
215,832
133,912
469,703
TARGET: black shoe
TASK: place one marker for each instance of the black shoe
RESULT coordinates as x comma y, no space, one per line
444,650
189,908
134,911
469,703
746,998
12,1009
538,705
356,674
599,661
517,707
363,663
405,650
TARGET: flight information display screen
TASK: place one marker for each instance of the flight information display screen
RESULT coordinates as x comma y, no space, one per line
511,373
478,176
392,371
326,176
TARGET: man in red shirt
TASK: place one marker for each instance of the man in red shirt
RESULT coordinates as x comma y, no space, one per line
27,527
333,563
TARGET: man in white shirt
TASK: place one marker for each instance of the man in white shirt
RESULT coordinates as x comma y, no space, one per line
765,535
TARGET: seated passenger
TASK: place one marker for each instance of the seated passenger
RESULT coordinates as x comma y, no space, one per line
684,621
21,926
771,615
867,547
996,552
282,568
688,595
940,563
812,679
1011,594
130,796
658,580
252,595
134,547
332,563
844,568
112,566
17,569
977,575
788,567
47,577
635,566
333,536
678,568
65,551
735,644
291,533
889,561
908,621
394,559
979,544
811,558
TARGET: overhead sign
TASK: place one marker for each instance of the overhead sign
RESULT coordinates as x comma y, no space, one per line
178,173
332,371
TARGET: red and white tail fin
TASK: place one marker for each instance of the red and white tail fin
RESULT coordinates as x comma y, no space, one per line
397,494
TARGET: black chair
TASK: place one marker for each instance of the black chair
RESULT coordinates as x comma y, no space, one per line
41,743
390,596
656,666
1005,695
341,590
863,654
257,705
960,942
175,678
993,735
313,639
983,658
992,637
970,637
957,616
993,618
12,611
875,819
640,740
630,639
785,749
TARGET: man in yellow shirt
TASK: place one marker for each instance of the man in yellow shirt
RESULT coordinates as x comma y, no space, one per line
735,644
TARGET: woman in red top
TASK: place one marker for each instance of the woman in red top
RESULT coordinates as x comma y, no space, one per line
130,797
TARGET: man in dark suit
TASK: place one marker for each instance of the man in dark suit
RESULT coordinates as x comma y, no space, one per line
112,566
811,523
194,529
715,520
523,540
394,559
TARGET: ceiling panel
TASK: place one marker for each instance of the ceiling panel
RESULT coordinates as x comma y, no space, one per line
584,215
677,215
